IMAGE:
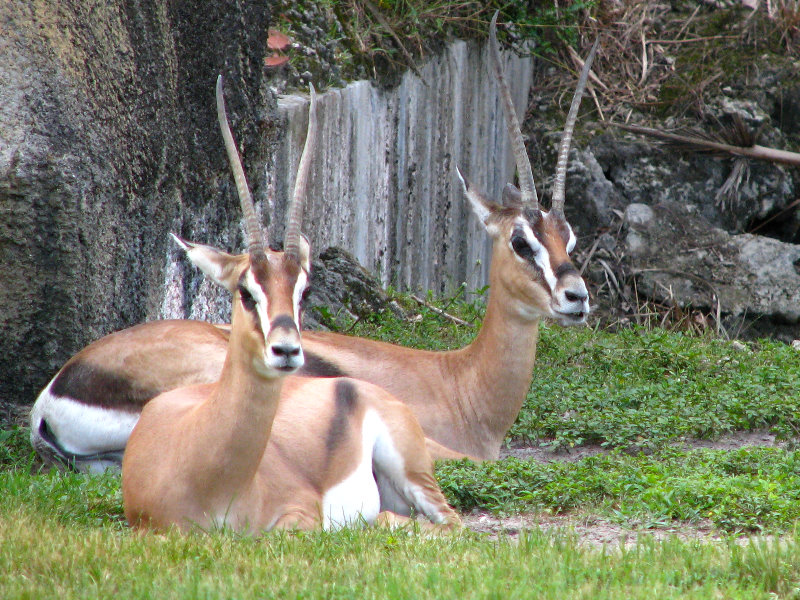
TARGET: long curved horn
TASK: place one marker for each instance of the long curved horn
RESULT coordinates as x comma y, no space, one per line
526,182
566,138
295,218
256,240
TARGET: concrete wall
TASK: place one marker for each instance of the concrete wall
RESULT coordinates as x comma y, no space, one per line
383,181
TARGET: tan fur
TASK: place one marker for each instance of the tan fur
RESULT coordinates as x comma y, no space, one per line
250,452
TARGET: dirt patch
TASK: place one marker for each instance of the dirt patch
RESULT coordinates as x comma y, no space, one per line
590,530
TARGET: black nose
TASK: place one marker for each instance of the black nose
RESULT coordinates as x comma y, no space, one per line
575,297
285,350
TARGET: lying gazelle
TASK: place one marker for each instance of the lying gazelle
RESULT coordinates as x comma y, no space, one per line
257,449
466,400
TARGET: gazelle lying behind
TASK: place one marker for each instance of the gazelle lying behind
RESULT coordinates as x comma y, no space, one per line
257,450
465,400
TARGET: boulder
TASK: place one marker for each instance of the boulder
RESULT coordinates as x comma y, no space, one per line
108,141
679,258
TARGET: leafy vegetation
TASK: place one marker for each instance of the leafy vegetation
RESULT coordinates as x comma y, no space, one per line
746,489
645,389
383,38
635,389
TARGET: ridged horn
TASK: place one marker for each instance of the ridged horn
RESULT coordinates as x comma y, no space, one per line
295,217
526,182
256,240
566,138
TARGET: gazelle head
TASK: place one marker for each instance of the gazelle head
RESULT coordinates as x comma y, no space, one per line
531,245
266,285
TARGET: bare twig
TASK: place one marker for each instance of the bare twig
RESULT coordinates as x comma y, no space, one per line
590,255
755,151
440,312
579,61
775,216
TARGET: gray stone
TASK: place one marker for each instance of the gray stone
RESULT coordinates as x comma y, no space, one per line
639,215
680,259
108,140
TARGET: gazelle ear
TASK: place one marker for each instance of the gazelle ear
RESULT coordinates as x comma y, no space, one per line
511,195
482,207
220,266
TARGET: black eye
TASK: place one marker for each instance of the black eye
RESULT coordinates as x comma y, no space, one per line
522,247
247,298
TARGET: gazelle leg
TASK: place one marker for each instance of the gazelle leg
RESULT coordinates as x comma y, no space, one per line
412,482
298,519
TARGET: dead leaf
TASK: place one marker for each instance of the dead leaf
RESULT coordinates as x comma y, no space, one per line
276,60
277,40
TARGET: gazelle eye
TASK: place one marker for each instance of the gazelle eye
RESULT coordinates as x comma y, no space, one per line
522,247
247,298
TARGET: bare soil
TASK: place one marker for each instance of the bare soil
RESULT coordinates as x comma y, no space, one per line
729,441
590,530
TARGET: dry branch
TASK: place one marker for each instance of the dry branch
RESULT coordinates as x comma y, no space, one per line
697,143
440,312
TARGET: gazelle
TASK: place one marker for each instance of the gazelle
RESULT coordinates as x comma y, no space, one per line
257,449
465,400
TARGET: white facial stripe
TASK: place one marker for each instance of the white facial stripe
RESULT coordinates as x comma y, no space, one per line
299,287
572,240
261,301
540,255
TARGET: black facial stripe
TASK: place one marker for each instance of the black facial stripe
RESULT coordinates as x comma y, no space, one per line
346,397
316,366
283,322
247,298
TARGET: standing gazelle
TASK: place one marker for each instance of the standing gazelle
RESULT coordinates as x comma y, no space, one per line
466,400
254,450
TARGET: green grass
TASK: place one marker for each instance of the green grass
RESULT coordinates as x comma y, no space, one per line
742,490
63,535
645,389
41,558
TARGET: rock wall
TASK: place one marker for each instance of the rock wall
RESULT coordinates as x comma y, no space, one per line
383,184
107,142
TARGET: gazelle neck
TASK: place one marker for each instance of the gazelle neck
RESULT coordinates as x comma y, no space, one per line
493,374
241,410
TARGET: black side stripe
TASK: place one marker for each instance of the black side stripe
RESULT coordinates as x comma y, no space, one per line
345,397
316,366
87,384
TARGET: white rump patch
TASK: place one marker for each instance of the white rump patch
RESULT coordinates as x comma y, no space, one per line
356,497
80,428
